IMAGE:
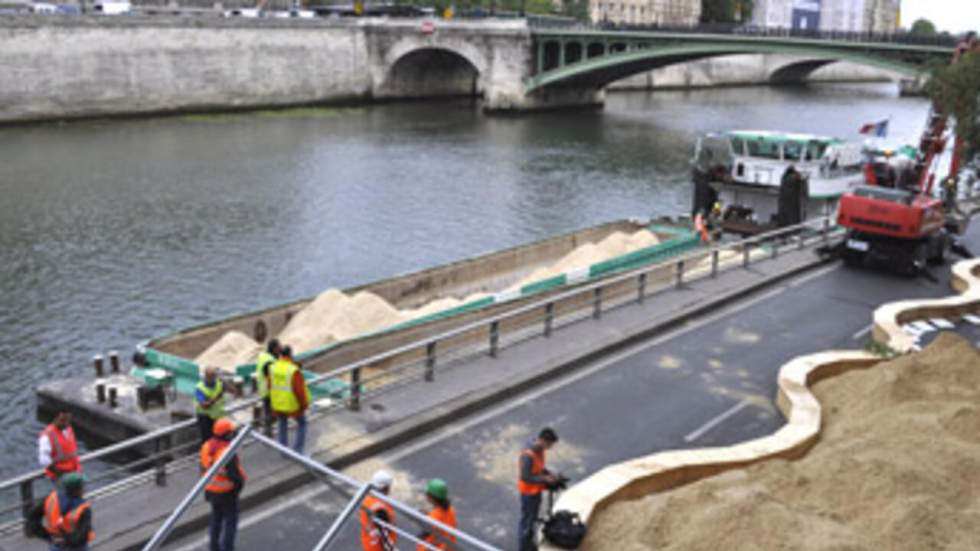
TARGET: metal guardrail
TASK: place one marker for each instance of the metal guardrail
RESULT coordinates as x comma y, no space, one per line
896,37
544,321
362,490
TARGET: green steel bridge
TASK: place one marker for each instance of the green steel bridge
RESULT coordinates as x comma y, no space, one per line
592,58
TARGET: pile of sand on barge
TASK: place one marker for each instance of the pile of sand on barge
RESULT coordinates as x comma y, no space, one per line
334,316
897,467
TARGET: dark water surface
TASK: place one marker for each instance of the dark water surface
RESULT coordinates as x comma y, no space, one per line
113,232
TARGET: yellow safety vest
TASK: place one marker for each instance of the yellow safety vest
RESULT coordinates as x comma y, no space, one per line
261,382
281,394
217,409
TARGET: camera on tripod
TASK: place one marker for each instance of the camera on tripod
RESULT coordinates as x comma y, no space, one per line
560,483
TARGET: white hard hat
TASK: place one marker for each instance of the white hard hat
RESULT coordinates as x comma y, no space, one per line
382,479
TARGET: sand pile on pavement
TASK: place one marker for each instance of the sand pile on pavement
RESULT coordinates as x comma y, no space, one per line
896,469
583,256
234,348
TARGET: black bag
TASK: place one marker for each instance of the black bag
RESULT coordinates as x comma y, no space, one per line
565,529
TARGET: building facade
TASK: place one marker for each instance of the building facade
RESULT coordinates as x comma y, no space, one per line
645,12
828,15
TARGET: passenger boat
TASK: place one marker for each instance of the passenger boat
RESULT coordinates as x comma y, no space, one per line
745,171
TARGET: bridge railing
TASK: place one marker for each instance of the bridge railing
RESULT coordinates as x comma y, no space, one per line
422,360
895,37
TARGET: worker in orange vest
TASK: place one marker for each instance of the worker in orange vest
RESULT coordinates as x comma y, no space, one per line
437,494
533,480
64,518
57,449
374,535
222,492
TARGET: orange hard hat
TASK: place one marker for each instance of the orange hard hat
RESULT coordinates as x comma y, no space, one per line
223,426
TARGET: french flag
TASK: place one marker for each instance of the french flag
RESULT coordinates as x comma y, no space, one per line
879,129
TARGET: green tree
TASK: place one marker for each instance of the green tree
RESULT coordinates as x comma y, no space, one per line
718,11
955,89
923,27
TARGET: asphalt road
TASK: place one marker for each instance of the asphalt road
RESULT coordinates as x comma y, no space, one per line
709,383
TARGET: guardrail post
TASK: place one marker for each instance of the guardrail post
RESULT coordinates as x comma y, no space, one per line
597,303
745,255
162,444
775,248
354,402
714,263
549,318
430,361
27,503
680,274
97,361
641,288
801,240
494,338
825,230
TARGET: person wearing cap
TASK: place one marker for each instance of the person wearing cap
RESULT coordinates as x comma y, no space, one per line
533,480
437,494
57,449
374,535
223,489
210,397
289,397
64,518
262,365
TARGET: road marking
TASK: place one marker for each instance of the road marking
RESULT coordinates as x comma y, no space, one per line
463,425
942,323
857,336
699,432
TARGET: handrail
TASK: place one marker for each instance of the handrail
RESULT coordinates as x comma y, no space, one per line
822,224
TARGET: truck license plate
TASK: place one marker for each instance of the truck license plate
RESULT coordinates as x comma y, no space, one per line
857,245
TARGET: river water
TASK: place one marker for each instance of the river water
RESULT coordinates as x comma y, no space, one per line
113,232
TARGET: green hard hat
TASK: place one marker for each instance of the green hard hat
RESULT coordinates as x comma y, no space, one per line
72,480
437,488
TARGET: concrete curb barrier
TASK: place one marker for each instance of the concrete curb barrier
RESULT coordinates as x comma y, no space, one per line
636,478
889,318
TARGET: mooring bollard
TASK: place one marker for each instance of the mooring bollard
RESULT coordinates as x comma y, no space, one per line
430,361
97,361
354,403
114,360
112,397
100,393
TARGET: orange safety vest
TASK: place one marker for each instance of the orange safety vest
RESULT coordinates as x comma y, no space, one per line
211,451
701,227
64,452
374,537
537,467
437,537
59,526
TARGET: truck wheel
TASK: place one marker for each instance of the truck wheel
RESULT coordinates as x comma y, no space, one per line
941,245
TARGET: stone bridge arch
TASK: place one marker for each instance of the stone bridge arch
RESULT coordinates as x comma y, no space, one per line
430,67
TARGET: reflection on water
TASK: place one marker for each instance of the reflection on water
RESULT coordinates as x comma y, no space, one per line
115,232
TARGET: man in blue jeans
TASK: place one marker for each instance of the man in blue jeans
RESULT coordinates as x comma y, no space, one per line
289,397
534,479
